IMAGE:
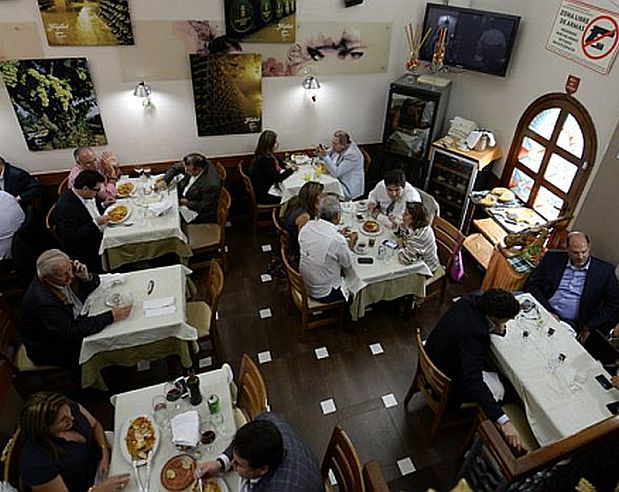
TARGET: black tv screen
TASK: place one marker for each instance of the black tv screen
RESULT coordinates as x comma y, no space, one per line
476,40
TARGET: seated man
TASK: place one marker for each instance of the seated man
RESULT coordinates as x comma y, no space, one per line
269,457
576,287
324,252
460,343
387,201
344,161
19,183
53,327
79,222
199,188
11,219
106,165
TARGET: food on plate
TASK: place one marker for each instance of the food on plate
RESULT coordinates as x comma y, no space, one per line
178,472
489,200
125,189
299,158
118,213
504,194
208,486
140,438
371,226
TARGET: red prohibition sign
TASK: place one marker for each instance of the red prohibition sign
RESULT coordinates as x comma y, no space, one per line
611,32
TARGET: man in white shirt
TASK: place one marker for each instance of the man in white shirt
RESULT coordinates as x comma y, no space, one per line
324,252
79,222
11,218
387,201
344,161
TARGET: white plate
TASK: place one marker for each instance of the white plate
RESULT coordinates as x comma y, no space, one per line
128,195
123,434
370,234
116,205
118,299
219,481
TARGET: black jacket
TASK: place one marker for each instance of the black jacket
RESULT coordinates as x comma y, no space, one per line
203,195
458,346
599,304
263,175
20,183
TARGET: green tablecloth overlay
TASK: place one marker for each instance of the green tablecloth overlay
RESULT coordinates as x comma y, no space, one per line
115,257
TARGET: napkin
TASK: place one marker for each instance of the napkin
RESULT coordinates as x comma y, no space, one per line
160,208
187,214
186,429
159,307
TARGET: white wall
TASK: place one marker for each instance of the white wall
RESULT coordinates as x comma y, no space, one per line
169,129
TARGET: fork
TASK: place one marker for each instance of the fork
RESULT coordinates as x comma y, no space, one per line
137,464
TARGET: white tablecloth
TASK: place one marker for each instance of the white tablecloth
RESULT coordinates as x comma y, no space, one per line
558,402
292,184
151,228
139,402
138,329
411,278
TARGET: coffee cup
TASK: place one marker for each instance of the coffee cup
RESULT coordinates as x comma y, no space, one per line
361,247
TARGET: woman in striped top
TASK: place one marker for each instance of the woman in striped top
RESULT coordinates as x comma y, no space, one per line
416,237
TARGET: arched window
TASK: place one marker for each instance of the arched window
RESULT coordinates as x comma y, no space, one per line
551,155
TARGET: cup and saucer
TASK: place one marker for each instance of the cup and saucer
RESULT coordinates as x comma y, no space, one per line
361,248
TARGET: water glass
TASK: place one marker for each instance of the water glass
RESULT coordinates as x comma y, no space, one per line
208,435
160,411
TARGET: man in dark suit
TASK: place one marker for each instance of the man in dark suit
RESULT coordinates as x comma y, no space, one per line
53,326
19,183
269,457
79,222
459,344
576,287
199,188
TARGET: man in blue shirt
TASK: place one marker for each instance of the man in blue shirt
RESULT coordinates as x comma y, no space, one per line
576,287
344,161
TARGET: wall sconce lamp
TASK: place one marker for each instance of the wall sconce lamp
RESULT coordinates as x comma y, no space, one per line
143,90
311,85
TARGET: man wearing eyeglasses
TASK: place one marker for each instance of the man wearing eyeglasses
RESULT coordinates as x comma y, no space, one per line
79,219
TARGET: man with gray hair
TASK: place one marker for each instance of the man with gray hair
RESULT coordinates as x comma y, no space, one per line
324,252
344,161
51,310
106,165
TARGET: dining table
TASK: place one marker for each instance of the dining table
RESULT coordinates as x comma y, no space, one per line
139,402
155,328
309,171
385,278
152,228
552,373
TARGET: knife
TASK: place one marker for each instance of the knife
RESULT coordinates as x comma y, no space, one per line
150,287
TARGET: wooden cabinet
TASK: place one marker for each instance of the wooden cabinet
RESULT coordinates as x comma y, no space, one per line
415,116
453,174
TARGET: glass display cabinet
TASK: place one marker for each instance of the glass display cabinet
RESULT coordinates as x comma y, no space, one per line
415,116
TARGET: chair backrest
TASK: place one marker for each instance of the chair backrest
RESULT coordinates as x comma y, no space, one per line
434,385
50,221
10,459
221,172
223,207
342,459
373,477
447,237
63,186
252,397
295,281
248,186
8,331
214,288
284,237
430,203
367,160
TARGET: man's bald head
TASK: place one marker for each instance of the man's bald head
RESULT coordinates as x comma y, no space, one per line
578,248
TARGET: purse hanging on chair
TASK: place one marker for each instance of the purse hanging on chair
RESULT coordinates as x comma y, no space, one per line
456,271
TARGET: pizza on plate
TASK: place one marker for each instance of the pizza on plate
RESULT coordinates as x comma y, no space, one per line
371,226
178,472
140,438
125,189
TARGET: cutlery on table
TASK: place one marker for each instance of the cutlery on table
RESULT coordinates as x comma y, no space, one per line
150,287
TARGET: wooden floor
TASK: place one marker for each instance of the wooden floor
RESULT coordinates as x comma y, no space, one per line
357,381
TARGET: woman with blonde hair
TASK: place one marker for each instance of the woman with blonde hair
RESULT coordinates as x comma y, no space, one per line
267,168
64,447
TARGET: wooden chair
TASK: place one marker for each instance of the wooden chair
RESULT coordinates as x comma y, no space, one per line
448,238
202,315
26,375
221,172
63,186
260,214
342,459
284,237
10,460
433,384
252,390
210,239
373,477
50,223
367,160
307,306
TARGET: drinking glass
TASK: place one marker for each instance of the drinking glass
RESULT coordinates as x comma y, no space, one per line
139,170
160,411
208,435
173,395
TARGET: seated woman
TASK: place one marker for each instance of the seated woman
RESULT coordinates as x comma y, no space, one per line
64,447
417,241
267,169
300,210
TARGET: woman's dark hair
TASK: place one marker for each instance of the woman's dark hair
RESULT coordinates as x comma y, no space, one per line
419,215
260,443
395,177
499,303
266,143
39,413
89,179
307,199
195,159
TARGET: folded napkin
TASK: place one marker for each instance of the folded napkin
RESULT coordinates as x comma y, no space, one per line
160,208
187,214
152,313
186,429
159,307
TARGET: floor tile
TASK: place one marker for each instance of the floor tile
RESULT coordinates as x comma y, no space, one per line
328,406
321,353
143,365
266,248
265,313
389,400
205,362
406,466
264,357
376,348
265,277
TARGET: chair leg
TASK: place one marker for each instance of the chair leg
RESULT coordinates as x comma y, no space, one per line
435,425
444,288
411,391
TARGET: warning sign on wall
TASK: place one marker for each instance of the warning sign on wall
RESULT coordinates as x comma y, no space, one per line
585,34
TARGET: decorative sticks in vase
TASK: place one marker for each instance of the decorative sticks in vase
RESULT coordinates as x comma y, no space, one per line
439,50
415,42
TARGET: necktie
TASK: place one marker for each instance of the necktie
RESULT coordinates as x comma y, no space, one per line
390,208
248,486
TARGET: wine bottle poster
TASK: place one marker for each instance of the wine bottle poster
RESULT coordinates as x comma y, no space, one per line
227,93
55,102
89,23
261,21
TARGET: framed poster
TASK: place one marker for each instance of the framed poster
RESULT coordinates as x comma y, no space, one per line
261,21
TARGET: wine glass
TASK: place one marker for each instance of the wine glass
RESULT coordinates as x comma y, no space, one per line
207,437
160,411
139,170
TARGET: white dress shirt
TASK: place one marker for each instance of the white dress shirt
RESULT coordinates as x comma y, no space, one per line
324,253
381,198
91,206
11,218
192,180
347,167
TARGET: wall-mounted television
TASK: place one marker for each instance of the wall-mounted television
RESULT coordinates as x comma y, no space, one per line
476,40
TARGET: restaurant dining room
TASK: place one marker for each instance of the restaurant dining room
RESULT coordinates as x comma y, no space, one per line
293,246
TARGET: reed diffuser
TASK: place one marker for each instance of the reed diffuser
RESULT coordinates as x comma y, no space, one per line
439,50
415,42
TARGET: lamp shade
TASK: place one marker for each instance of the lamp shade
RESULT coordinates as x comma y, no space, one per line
142,89
311,83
